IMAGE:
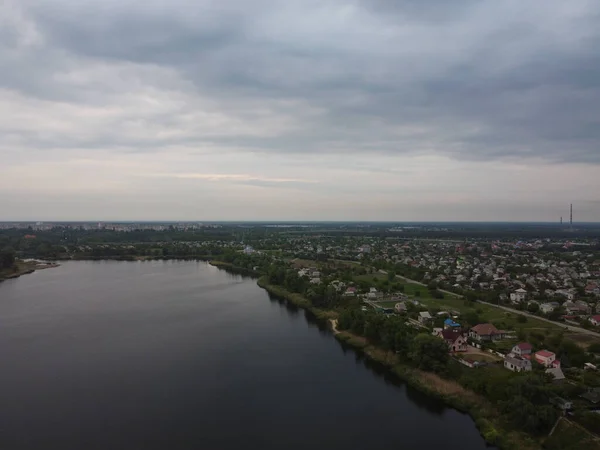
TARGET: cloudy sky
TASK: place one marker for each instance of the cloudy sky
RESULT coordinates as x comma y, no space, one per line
299,109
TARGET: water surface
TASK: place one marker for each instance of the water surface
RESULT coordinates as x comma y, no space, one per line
181,355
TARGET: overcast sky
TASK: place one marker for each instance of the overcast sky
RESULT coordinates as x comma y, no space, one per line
299,110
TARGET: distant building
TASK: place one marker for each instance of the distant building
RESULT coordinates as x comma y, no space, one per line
400,307
547,308
486,332
455,339
546,358
556,373
518,296
517,363
449,323
595,320
521,349
425,317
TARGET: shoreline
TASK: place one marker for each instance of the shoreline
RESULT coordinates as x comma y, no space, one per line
25,268
449,392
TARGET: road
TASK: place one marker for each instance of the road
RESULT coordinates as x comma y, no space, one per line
515,311
533,316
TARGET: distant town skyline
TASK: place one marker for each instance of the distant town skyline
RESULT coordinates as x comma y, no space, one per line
361,110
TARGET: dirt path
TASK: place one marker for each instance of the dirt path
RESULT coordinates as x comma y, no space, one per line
334,326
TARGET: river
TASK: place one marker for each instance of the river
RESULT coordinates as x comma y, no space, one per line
182,355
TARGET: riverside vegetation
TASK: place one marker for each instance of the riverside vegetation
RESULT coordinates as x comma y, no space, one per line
511,410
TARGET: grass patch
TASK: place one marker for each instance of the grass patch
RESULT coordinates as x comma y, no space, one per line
372,278
480,357
505,319
570,436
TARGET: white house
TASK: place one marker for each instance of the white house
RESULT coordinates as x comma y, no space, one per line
518,296
521,349
517,363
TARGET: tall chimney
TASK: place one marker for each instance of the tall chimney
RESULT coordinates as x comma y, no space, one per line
571,220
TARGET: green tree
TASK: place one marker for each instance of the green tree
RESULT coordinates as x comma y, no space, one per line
7,258
429,353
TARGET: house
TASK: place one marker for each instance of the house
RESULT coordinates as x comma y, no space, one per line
424,317
315,281
595,320
400,307
592,289
547,308
486,332
455,339
575,308
449,323
350,292
521,349
556,373
546,358
566,294
584,307
518,296
517,363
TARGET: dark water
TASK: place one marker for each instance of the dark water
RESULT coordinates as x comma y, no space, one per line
181,355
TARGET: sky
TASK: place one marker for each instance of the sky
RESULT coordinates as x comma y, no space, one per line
399,110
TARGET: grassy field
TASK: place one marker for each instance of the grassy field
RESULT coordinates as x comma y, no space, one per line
302,263
509,321
372,278
502,319
570,436
489,358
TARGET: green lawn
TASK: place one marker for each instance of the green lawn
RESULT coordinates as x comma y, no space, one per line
487,313
502,319
570,436
489,358
371,278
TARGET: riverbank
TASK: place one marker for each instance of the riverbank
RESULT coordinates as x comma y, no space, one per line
295,299
449,392
24,268
234,269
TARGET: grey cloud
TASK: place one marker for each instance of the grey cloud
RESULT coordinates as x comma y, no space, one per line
424,10
514,90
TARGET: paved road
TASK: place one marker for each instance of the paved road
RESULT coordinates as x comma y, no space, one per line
526,314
